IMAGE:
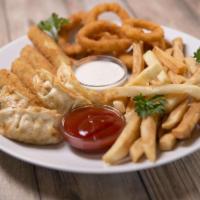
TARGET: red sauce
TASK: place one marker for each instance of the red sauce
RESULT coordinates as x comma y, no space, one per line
92,128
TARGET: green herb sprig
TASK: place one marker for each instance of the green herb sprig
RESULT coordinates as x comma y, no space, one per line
53,25
197,55
149,106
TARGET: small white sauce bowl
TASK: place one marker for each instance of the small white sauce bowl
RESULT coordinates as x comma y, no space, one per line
96,73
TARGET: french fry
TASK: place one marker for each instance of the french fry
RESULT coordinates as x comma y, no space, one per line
167,142
176,78
148,131
190,119
178,49
170,62
173,101
146,75
169,51
138,62
175,116
163,77
119,105
150,58
193,66
120,148
136,151
195,78
132,91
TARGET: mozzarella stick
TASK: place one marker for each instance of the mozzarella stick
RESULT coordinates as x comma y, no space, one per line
120,148
136,151
189,121
167,142
178,49
175,116
148,131
36,59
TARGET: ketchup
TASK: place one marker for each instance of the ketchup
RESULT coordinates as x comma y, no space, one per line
92,128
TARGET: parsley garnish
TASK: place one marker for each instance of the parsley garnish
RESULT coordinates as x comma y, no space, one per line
197,55
53,25
149,106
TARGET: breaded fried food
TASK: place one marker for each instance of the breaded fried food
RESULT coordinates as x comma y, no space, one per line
62,63
36,59
47,88
33,125
13,93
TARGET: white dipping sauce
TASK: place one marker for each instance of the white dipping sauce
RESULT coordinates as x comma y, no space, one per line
99,73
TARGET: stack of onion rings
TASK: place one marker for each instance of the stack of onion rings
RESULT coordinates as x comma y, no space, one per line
84,37
94,36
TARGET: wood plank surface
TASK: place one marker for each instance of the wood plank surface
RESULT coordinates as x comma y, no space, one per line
19,180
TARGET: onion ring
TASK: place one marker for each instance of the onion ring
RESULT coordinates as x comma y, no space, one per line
130,30
84,37
94,13
75,22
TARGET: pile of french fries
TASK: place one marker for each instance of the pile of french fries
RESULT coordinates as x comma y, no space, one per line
170,73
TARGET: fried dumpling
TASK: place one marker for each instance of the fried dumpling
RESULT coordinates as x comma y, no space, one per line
33,125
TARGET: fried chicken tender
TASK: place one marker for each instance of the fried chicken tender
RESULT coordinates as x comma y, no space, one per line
13,93
36,59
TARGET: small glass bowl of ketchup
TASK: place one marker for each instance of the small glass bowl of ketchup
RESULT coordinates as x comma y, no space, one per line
92,128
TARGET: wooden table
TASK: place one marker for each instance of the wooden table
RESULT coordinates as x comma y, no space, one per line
22,181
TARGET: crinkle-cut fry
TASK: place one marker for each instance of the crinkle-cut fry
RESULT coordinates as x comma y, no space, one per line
150,58
56,56
193,66
136,151
178,49
175,116
167,142
176,78
132,91
146,75
169,51
173,101
138,62
189,121
170,62
120,148
120,105
148,130
36,59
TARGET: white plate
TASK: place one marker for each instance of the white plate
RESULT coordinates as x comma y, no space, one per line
62,157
